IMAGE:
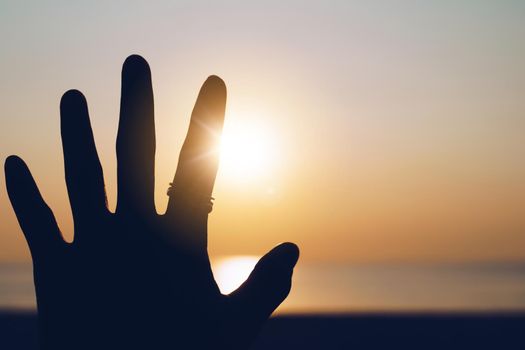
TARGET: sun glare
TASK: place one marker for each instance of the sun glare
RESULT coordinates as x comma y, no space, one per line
231,272
246,151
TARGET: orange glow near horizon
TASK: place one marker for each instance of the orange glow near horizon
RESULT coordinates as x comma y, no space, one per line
361,131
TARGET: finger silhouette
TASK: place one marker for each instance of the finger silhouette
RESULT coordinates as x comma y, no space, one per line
199,156
136,140
34,216
84,178
268,284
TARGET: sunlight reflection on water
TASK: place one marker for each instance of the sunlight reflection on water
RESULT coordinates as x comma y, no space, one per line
329,287
231,272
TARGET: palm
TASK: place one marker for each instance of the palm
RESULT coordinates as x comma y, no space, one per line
133,278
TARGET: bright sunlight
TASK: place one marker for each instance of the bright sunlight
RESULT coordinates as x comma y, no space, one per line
231,272
247,150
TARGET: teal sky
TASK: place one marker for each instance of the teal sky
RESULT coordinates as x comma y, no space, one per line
400,124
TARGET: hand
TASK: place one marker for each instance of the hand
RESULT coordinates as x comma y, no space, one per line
135,279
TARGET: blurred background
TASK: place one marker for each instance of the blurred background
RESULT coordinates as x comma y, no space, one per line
385,138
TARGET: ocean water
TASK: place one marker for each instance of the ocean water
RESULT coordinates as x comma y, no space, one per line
339,288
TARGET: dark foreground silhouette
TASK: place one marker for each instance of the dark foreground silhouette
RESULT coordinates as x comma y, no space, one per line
135,279
360,332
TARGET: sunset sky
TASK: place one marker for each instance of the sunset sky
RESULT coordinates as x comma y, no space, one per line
375,131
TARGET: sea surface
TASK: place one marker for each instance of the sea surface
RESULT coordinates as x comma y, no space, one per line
341,288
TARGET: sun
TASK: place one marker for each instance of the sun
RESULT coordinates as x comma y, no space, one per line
246,150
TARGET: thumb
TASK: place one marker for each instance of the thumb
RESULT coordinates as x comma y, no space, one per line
269,283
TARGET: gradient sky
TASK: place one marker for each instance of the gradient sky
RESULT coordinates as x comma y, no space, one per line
398,126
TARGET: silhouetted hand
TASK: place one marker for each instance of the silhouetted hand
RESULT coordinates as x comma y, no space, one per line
134,278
